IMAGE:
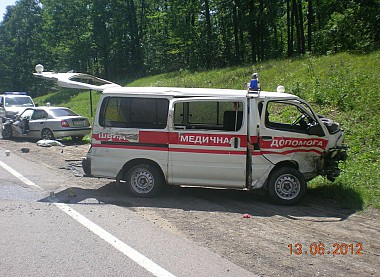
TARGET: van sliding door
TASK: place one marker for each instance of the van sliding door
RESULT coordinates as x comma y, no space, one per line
208,143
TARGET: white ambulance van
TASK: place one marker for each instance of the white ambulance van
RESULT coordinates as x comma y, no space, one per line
147,137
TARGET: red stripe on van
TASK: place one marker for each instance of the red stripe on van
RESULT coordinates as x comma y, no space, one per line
200,139
183,150
158,137
200,150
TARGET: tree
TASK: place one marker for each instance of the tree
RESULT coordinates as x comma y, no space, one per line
21,46
116,39
310,21
67,34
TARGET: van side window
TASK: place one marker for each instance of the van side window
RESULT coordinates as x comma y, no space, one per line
287,117
208,115
134,112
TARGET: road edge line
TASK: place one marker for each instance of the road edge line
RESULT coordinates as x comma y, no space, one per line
128,251
131,253
19,176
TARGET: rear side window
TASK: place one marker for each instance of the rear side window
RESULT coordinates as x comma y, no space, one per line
134,112
62,112
208,115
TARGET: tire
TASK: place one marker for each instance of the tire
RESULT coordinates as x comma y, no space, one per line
143,180
6,133
47,134
286,186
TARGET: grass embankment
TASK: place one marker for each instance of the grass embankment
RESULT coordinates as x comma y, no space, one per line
344,87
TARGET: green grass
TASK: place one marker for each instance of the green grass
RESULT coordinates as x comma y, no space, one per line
77,100
344,87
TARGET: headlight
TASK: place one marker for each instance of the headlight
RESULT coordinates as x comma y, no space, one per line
10,114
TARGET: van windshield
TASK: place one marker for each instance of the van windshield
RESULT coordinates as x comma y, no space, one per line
18,101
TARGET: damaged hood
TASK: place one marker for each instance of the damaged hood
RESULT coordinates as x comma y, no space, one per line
77,80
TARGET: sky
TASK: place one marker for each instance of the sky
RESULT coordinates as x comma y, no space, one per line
3,5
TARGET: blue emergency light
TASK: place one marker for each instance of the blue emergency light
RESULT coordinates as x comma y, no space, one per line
14,93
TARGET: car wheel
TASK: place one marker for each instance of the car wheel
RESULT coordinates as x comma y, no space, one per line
144,180
286,186
7,133
47,134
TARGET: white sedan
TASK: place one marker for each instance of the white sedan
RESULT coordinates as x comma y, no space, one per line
47,123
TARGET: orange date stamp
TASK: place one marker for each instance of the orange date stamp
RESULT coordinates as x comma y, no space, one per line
322,249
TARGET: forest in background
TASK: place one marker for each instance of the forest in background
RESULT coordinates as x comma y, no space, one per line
119,39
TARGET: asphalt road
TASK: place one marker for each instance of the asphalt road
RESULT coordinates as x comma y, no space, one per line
41,235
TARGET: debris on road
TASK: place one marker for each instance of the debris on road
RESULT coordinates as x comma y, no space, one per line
49,143
71,192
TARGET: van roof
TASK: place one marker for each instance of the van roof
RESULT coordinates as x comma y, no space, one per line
193,92
84,81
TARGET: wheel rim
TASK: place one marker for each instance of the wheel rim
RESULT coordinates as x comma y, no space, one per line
287,187
142,181
46,134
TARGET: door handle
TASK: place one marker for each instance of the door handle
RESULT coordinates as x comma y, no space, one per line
267,137
235,142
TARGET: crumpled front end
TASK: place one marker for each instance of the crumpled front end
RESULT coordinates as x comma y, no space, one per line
333,155
330,161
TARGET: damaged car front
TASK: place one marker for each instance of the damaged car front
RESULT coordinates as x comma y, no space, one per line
336,150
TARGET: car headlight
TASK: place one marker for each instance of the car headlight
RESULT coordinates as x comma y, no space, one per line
10,114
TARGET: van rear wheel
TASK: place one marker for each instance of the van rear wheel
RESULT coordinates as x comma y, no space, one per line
144,180
286,185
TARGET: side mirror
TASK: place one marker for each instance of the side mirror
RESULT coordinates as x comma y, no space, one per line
315,130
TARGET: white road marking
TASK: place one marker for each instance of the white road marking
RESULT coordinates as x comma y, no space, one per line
131,253
19,176
115,242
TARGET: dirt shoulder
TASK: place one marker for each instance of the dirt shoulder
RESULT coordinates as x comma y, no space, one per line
335,241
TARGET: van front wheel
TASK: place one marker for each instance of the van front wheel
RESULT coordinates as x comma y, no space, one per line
143,180
286,186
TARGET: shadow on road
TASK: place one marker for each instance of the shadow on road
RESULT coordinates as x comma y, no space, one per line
255,203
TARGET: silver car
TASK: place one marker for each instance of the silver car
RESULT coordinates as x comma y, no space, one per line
47,123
